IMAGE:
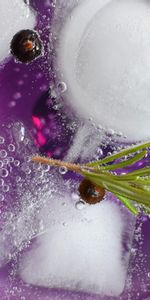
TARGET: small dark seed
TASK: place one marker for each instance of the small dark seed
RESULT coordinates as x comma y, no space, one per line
90,192
26,45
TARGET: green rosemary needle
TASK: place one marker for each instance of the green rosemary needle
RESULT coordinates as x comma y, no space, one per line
129,188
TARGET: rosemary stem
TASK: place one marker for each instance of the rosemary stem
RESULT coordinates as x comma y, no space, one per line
58,163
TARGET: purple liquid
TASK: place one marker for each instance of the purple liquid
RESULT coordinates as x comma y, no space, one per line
24,97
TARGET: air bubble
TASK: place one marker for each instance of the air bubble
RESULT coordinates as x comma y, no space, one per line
110,132
3,172
46,168
36,166
11,159
80,205
16,163
20,82
75,196
2,140
18,131
11,147
5,188
18,178
28,158
100,151
120,134
148,274
62,87
6,161
12,104
17,95
26,141
1,197
64,224
1,181
63,170
40,174
3,153
1,164
27,171
56,107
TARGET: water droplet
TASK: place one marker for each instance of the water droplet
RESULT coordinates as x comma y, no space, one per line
3,153
2,140
63,170
3,172
62,87
80,205
11,147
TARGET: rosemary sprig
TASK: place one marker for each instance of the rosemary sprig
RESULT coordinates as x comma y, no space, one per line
133,186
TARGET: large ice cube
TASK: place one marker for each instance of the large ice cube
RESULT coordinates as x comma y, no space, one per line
104,56
14,16
82,250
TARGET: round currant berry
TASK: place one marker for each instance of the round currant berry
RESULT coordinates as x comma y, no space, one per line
26,45
90,192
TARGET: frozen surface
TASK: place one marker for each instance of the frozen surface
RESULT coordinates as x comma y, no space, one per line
81,250
15,16
85,143
107,67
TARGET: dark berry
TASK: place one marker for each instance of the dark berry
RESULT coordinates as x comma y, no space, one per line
26,45
90,192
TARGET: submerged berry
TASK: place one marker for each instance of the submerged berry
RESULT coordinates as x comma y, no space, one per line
90,192
26,45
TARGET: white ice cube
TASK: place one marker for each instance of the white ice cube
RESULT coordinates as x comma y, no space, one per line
82,250
104,56
15,15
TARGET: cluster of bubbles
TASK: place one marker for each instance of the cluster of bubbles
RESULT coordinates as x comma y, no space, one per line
22,184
